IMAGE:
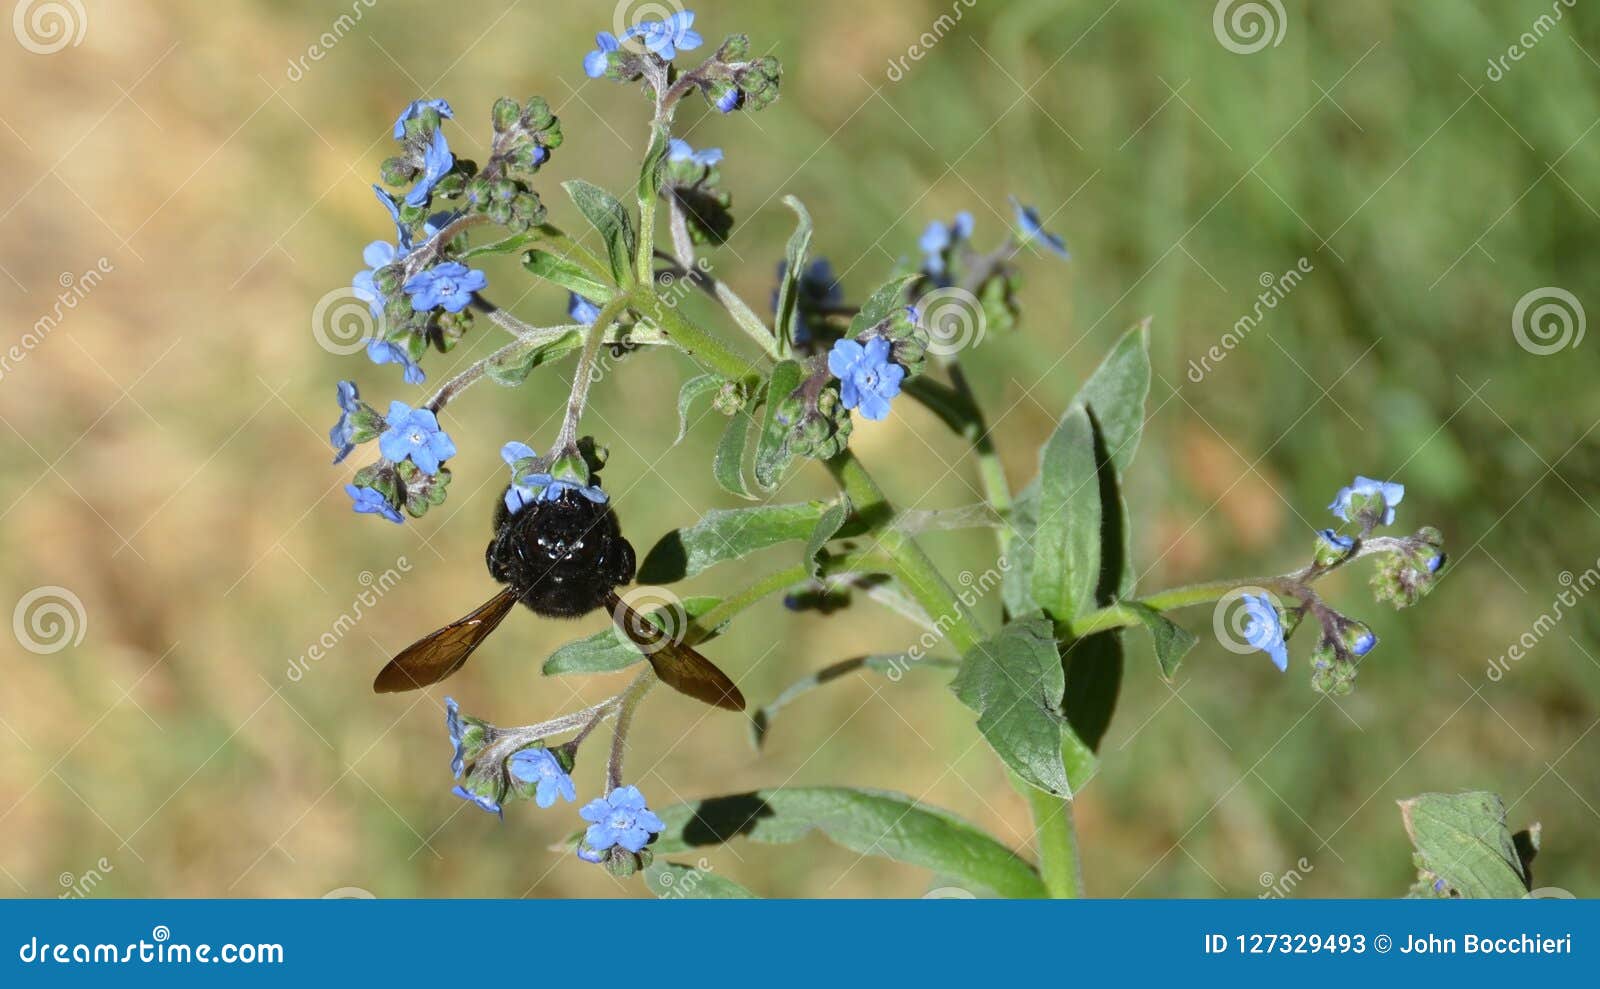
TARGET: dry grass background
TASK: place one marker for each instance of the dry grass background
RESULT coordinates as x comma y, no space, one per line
165,446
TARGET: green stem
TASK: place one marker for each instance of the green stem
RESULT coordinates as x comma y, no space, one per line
703,347
1057,837
583,374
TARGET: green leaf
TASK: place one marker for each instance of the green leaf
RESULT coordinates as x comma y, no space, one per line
650,168
507,245
1066,543
727,534
727,466
1462,839
871,822
794,268
828,526
1171,640
511,365
1014,682
672,881
569,275
1016,583
772,443
608,649
889,297
892,665
610,219
1115,393
691,390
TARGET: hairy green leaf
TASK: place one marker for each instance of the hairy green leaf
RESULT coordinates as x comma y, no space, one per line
828,526
1464,847
650,168
871,822
727,534
507,245
1014,681
511,365
1171,640
772,443
727,466
1066,542
673,881
794,268
611,220
691,390
889,297
569,275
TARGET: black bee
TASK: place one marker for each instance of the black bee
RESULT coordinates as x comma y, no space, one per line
562,558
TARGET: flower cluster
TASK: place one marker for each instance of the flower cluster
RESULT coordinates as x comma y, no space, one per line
532,481
1407,570
730,79
493,766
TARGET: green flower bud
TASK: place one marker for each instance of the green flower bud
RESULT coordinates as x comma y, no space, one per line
735,48
729,399
397,171
505,114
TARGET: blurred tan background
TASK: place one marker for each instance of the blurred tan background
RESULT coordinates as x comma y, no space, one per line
166,460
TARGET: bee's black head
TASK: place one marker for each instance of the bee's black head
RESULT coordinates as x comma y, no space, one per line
561,556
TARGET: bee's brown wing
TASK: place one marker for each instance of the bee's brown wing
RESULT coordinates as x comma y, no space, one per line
439,654
678,665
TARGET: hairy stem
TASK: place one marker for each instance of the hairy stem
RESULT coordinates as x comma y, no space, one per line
627,704
583,374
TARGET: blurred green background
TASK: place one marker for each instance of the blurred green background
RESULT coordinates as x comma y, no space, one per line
167,464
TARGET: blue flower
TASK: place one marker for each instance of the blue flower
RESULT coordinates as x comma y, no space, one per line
479,800
1341,544
730,99
342,435
402,232
679,150
1363,643
867,377
938,238
1388,492
436,163
449,285
538,765
414,109
529,488
619,819
594,63
415,433
452,724
1028,220
384,352
582,310
1435,562
368,501
666,38
1263,629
